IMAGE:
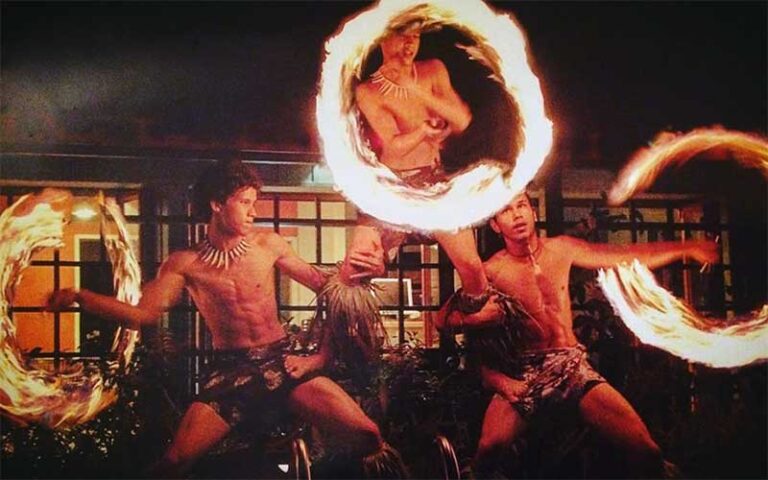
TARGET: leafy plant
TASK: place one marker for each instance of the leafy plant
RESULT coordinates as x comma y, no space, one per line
119,442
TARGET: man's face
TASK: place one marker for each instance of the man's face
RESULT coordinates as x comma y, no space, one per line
237,213
517,221
402,46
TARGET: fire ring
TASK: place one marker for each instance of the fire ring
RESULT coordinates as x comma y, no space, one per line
467,198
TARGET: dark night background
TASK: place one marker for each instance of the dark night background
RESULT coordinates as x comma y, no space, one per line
245,73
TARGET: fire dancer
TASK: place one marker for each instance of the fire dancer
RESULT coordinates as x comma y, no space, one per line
410,108
230,277
525,345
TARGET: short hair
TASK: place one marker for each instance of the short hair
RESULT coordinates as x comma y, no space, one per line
523,192
219,181
421,17
528,196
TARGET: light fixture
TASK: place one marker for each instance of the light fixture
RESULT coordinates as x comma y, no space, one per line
83,211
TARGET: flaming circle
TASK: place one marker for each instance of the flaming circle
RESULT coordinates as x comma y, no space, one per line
468,198
669,148
650,311
75,394
661,320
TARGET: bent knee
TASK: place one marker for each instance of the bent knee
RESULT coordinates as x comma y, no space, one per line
649,450
492,444
367,437
645,460
645,452
170,465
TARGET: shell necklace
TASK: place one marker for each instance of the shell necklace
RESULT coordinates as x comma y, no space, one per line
388,87
217,258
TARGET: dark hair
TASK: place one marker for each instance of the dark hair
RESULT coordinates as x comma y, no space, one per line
219,181
523,192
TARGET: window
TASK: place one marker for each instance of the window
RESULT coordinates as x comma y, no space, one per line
81,262
318,223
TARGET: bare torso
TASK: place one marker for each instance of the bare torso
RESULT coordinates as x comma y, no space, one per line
544,295
238,304
408,113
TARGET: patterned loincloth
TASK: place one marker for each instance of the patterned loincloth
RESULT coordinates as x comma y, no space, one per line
553,376
249,385
422,177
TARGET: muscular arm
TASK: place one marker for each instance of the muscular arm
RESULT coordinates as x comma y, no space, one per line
653,255
505,386
367,265
457,321
294,266
158,296
491,313
443,99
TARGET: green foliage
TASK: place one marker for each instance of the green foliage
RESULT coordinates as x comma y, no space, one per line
415,398
119,443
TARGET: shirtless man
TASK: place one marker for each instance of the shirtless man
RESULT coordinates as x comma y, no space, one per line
230,276
411,108
526,347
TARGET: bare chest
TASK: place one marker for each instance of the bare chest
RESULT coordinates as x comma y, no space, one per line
532,285
408,111
247,280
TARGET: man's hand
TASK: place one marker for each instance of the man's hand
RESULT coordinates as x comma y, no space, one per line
61,299
449,316
512,389
367,264
297,367
436,130
703,251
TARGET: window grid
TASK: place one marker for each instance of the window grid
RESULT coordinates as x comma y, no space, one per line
669,230
196,335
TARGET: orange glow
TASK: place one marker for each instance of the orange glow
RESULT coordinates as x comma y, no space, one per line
35,329
126,276
481,191
30,391
670,149
657,318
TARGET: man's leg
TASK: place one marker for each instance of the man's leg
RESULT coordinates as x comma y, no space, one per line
365,238
502,424
613,418
462,250
201,428
325,404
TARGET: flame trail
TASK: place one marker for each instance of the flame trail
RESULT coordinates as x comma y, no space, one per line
29,392
499,44
651,312
668,149
661,320
126,277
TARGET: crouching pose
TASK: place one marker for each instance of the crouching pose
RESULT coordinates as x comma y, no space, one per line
230,276
525,345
